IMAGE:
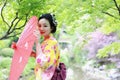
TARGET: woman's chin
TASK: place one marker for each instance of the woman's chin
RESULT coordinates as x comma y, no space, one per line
42,34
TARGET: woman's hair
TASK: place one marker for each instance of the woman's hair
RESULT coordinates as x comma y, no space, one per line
51,18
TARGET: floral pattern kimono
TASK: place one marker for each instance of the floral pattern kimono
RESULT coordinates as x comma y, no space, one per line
46,62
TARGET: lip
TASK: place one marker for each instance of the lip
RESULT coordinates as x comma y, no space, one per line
42,32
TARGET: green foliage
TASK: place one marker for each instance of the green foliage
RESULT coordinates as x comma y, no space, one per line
102,4
4,43
5,63
6,52
64,58
23,8
4,68
79,56
110,66
113,48
32,77
4,74
110,25
77,16
78,52
31,7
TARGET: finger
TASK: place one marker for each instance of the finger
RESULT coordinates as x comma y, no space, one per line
36,26
37,34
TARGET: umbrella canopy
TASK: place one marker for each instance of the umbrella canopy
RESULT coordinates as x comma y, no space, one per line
23,50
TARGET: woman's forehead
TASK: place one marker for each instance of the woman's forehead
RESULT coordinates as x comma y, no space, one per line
43,21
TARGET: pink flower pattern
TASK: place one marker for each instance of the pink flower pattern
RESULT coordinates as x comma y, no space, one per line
46,64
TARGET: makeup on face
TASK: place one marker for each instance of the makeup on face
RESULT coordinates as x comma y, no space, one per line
44,27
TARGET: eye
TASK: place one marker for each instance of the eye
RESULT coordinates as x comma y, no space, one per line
45,26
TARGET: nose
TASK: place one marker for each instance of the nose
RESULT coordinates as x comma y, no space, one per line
41,28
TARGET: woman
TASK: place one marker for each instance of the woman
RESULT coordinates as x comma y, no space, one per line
47,54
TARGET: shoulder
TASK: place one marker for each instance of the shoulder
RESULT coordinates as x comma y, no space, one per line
52,41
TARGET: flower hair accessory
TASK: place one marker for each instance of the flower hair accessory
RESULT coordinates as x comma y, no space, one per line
53,19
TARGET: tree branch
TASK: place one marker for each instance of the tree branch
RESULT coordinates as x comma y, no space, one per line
11,30
110,15
14,27
24,22
20,26
14,19
117,6
26,18
2,13
3,37
13,35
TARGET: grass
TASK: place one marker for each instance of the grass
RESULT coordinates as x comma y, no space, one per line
6,52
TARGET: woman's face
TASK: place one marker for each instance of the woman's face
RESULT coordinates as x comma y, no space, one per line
44,27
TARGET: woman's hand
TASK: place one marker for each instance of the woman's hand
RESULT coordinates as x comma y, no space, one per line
33,54
14,46
37,34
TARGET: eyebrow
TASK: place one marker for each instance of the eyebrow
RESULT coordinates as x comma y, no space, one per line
45,24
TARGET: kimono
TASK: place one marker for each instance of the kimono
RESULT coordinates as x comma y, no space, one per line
47,62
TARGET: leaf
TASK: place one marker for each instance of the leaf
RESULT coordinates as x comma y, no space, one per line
113,48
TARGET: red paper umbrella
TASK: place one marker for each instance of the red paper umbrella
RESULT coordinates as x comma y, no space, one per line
23,50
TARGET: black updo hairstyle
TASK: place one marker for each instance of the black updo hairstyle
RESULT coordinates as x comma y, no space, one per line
51,18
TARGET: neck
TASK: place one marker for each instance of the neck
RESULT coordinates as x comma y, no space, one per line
46,37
